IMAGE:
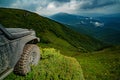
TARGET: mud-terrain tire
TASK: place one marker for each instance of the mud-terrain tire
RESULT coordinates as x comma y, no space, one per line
30,56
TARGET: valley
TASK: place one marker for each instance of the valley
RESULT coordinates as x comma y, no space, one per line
105,28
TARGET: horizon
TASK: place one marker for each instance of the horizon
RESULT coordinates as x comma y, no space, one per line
77,7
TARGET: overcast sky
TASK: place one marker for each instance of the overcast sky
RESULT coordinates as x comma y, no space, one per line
49,7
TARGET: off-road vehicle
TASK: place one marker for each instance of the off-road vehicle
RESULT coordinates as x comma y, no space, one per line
18,51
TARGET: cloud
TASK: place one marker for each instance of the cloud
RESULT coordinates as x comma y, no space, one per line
49,7
98,6
32,5
55,7
25,4
61,1
81,6
91,4
5,3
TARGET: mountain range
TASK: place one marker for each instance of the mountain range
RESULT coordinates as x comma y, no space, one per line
106,28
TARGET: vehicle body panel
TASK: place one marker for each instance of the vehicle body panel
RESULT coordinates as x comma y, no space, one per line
12,49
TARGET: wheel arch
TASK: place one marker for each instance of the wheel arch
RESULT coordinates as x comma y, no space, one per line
21,44
33,41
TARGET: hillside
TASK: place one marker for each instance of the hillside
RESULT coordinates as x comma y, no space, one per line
101,65
98,64
52,66
52,34
104,28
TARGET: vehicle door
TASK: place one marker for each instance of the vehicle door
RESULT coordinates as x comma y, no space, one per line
4,57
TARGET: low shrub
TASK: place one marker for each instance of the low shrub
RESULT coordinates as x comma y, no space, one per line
53,66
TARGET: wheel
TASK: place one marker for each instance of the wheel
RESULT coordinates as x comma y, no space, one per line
30,56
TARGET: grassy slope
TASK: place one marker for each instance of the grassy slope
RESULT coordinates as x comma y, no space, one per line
101,65
53,66
52,34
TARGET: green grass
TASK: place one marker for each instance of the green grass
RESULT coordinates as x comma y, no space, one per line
102,65
57,42
50,32
53,66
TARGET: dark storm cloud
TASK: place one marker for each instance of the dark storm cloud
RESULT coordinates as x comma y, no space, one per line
92,4
33,8
49,7
61,1
6,2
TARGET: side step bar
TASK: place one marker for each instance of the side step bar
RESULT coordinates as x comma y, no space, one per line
5,73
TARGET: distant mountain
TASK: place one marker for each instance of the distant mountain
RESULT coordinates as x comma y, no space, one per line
104,27
66,18
100,15
92,14
75,20
51,33
111,15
